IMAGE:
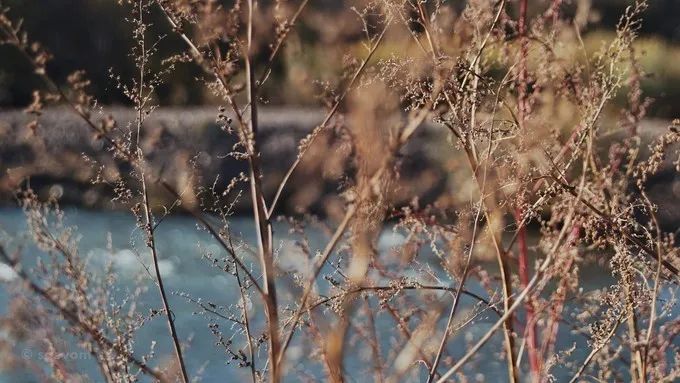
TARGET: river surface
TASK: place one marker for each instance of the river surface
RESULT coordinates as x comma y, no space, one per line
187,273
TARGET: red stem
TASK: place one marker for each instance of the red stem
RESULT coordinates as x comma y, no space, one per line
558,302
523,257
530,330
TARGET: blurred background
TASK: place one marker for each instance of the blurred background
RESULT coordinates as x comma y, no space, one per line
93,35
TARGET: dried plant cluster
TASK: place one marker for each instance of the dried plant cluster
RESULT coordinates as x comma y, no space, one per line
539,186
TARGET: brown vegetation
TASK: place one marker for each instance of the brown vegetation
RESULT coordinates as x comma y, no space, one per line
526,142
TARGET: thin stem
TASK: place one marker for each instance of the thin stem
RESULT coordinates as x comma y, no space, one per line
442,344
375,343
533,283
151,243
279,43
626,235
75,320
558,303
472,157
229,249
530,323
456,296
328,250
523,254
595,350
325,121
655,291
149,226
246,326
262,223
407,287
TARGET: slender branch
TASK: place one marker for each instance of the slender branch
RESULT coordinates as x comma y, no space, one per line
538,275
246,326
328,250
463,278
473,162
73,318
649,252
523,254
408,287
229,249
279,43
375,343
262,224
312,136
655,291
149,226
595,350
151,243
248,132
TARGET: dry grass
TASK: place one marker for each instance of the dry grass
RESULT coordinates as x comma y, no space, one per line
524,125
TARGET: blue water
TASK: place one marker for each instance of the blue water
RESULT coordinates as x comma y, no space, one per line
182,246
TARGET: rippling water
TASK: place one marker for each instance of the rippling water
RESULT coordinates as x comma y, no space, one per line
181,245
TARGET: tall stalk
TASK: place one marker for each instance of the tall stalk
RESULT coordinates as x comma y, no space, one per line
262,223
523,253
149,225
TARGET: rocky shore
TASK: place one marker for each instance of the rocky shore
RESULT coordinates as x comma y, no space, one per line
187,146
63,157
